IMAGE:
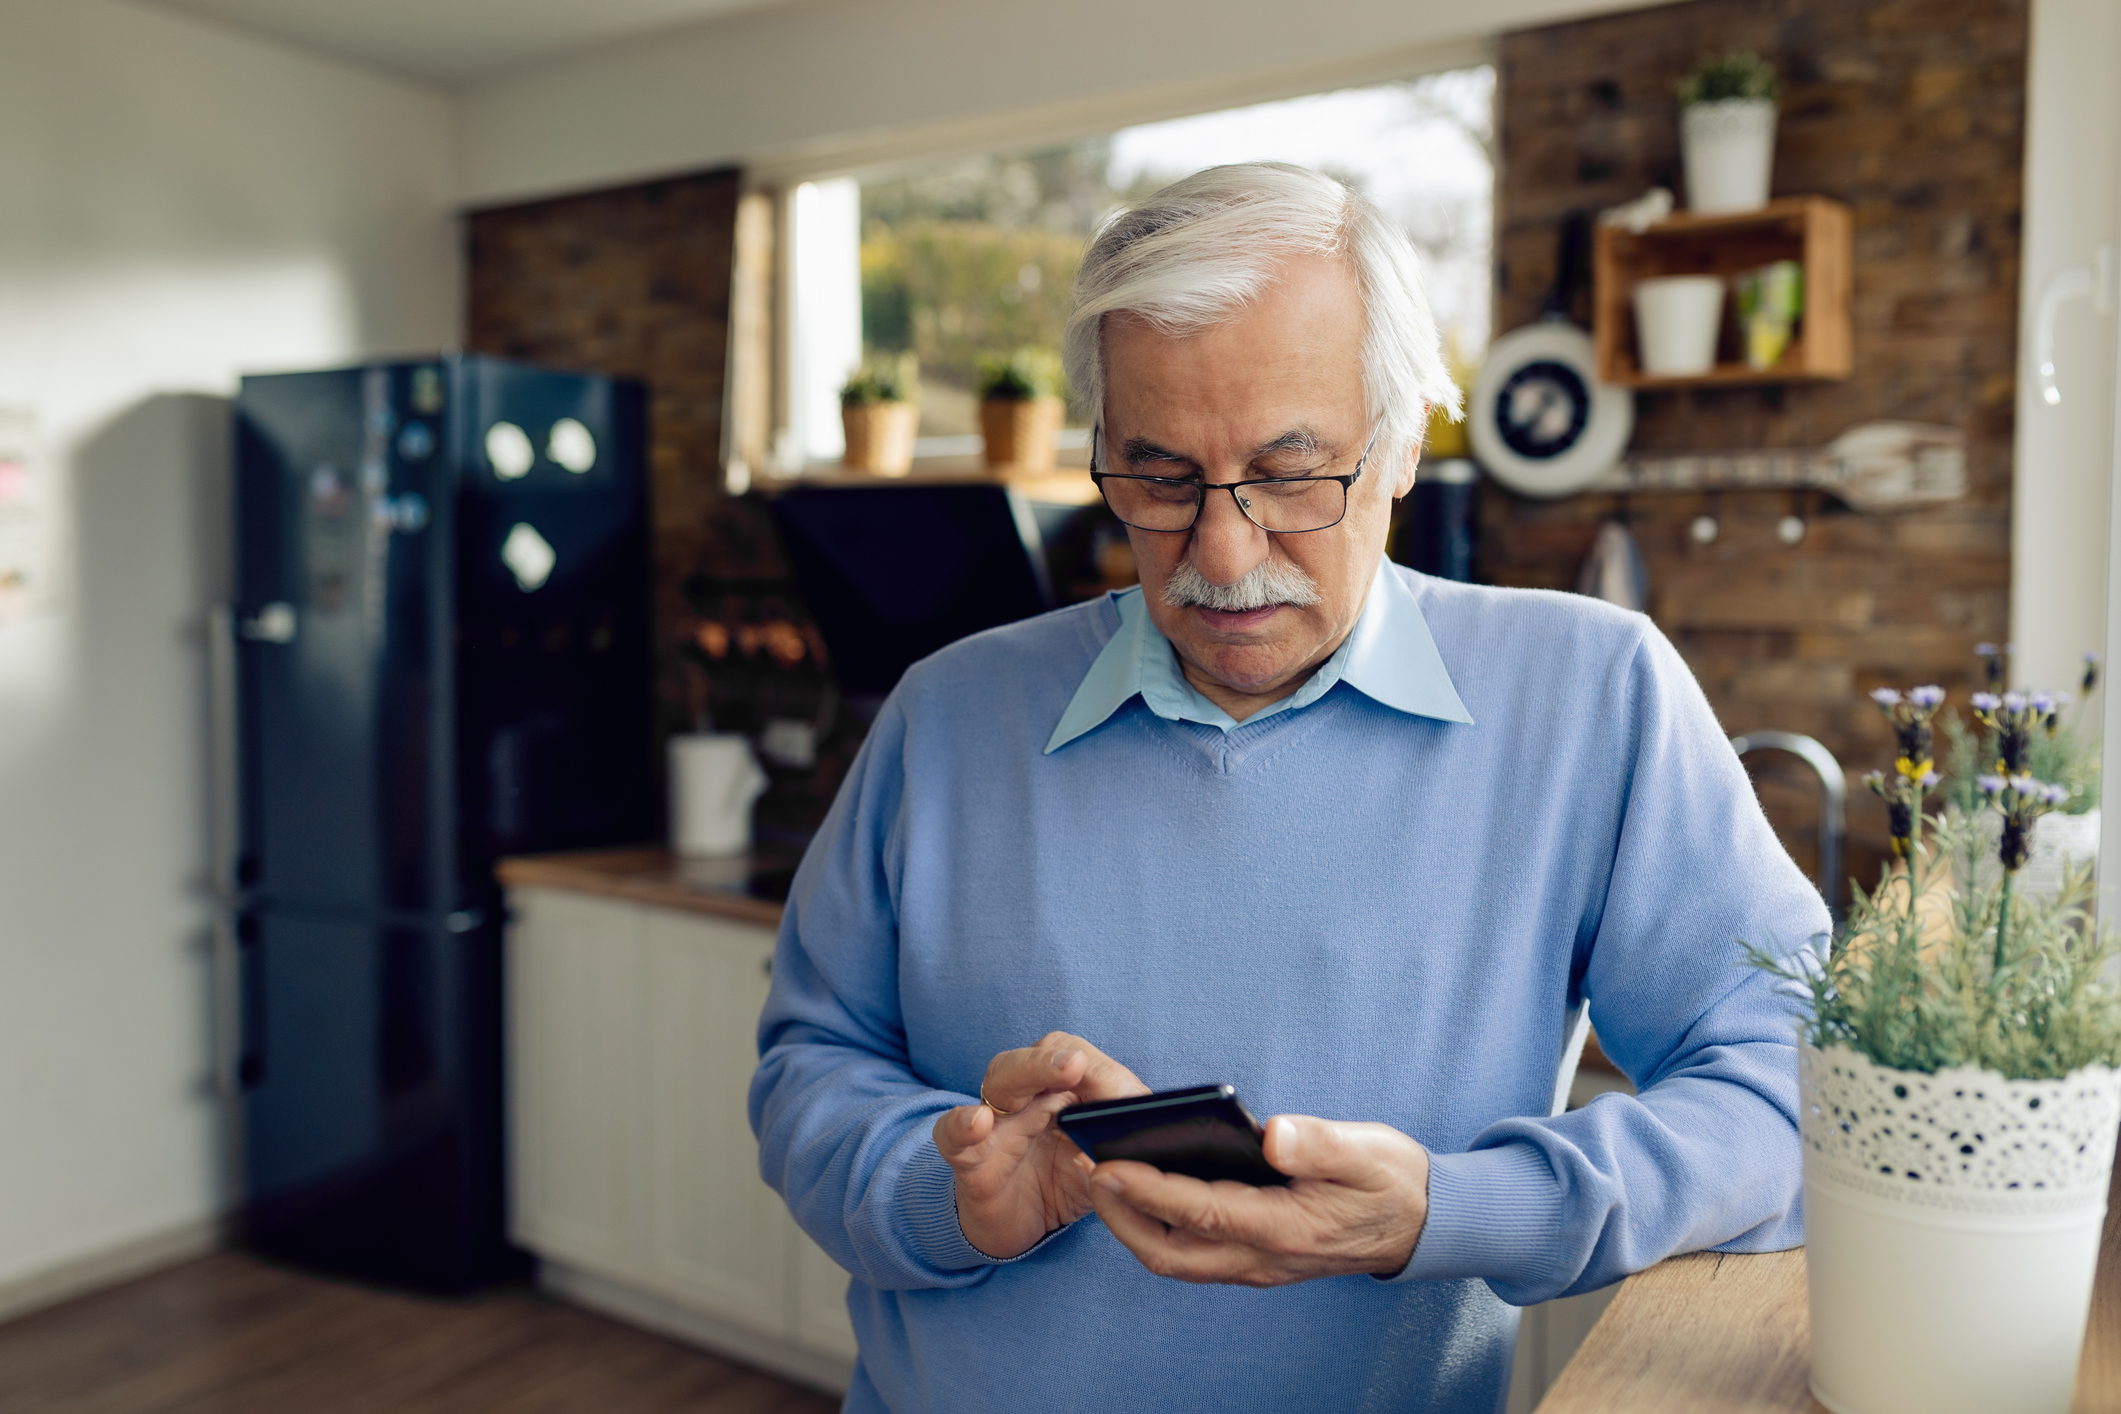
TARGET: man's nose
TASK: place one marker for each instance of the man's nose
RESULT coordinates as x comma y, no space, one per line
1226,545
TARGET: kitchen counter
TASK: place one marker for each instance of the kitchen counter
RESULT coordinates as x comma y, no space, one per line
1709,1334
739,888
1699,1334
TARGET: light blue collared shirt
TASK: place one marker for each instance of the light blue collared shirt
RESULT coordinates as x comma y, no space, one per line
1389,658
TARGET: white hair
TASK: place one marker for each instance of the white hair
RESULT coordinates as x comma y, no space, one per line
1197,252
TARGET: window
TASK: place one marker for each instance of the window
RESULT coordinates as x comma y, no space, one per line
961,259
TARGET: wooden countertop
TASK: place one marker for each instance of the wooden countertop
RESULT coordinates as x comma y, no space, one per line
1709,1334
656,876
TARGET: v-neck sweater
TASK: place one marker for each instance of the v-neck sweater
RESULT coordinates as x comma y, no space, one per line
1344,910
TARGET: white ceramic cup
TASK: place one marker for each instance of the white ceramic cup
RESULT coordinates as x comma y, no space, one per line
1676,321
713,782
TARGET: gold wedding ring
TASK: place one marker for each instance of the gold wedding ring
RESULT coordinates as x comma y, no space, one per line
991,1105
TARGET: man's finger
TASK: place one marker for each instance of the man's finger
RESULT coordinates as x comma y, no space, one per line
1219,1211
962,1128
1015,1078
1058,1062
1358,1155
1173,1253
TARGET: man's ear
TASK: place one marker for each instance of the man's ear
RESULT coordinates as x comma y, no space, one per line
1403,482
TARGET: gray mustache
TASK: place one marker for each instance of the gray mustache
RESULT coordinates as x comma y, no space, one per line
1268,582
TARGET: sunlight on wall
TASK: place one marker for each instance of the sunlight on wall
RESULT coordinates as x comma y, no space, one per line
827,320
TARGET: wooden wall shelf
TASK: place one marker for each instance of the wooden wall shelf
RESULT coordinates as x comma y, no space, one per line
1815,232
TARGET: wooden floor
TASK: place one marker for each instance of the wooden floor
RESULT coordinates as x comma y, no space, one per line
227,1334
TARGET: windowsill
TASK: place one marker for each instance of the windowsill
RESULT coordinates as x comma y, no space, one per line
1068,483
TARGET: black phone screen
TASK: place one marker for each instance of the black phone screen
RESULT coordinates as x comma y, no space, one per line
1204,1132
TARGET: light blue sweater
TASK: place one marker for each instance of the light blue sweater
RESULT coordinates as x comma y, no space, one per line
1347,909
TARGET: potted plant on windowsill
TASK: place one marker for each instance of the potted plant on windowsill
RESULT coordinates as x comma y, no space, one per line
1020,408
1958,1104
1727,132
880,412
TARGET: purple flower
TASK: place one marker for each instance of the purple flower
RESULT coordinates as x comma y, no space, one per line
1927,696
1986,650
2054,795
1989,785
1987,701
2043,702
1885,697
1926,779
2014,701
2024,785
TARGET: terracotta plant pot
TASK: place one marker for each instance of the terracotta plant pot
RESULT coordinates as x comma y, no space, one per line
1952,1226
879,437
1020,432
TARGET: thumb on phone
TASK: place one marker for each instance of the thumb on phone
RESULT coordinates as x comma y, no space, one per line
1303,1146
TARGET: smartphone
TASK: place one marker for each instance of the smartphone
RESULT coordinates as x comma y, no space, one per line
1204,1132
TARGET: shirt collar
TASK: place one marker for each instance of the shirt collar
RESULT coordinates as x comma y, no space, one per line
1390,658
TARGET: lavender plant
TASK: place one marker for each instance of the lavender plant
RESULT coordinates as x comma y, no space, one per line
1935,968
2049,744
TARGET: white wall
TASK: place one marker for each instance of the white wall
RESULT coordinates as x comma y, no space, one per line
2064,450
177,204
821,86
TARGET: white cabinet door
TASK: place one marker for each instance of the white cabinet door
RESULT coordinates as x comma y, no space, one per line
719,1235
576,1071
632,1040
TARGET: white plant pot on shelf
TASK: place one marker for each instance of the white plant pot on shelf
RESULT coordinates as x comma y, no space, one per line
1729,149
1677,318
1952,1228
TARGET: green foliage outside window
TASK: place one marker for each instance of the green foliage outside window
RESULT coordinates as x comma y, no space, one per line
955,292
965,262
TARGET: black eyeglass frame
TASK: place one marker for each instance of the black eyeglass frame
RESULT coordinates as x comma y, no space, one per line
1201,489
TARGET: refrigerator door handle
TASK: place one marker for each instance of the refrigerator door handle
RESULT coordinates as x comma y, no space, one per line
224,979
222,790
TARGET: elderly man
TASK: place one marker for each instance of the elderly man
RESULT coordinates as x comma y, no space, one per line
1361,843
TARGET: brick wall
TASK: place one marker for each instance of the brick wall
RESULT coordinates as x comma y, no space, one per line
1911,112
633,282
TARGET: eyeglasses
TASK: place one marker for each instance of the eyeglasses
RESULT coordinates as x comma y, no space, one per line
1281,505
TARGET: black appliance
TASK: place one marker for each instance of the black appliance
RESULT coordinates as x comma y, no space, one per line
1438,525
892,573
443,656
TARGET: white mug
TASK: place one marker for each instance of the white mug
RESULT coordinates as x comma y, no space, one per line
713,782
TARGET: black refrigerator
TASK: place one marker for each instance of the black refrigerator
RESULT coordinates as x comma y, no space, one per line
443,656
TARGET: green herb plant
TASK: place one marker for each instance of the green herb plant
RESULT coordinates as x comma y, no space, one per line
1742,75
1021,375
1936,968
883,378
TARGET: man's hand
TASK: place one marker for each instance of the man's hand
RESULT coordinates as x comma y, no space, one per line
1018,1176
1357,1202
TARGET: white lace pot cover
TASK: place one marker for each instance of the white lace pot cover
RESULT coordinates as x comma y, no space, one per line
1953,1226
